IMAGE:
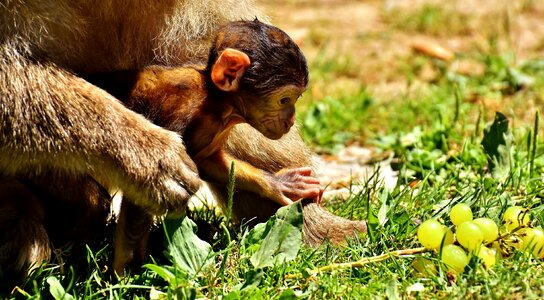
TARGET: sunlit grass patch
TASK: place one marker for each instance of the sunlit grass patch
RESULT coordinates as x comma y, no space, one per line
432,19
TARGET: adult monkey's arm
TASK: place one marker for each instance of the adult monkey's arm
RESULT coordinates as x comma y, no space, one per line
53,120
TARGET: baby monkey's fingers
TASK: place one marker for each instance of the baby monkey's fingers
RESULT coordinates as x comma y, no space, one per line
304,171
296,191
296,184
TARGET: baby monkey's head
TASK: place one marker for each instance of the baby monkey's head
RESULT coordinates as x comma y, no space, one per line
261,70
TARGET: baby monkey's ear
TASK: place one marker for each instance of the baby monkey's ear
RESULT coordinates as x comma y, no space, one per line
229,68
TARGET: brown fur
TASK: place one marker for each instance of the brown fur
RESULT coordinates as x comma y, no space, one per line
58,129
18,216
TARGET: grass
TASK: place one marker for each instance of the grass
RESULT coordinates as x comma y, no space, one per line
433,19
434,129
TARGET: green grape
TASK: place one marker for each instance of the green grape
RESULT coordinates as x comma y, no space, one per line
424,266
469,235
430,234
455,258
514,217
489,229
515,241
460,213
487,256
496,248
494,252
533,240
448,235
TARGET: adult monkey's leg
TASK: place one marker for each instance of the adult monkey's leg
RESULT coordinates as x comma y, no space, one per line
24,242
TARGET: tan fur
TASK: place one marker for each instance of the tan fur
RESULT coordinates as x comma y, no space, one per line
55,125
140,32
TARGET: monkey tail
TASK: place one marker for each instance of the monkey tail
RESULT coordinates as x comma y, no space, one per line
321,225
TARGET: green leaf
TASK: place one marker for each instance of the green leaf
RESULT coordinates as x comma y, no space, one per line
384,209
252,279
56,289
186,250
257,234
233,295
288,295
187,293
280,238
518,79
246,290
392,290
373,221
494,137
163,271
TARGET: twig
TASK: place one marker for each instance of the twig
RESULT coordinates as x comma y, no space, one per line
362,262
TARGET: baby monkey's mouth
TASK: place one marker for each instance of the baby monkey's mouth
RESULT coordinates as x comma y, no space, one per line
275,130
275,127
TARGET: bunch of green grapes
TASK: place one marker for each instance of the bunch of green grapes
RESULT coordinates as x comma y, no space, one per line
519,233
480,237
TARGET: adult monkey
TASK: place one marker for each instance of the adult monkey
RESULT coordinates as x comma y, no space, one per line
57,127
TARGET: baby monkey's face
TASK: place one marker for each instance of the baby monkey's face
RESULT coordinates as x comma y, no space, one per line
272,114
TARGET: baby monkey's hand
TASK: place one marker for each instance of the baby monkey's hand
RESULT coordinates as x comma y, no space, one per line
296,184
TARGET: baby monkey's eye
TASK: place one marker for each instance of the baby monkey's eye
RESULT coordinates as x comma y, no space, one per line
284,101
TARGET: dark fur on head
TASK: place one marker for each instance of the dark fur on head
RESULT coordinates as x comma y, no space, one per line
275,59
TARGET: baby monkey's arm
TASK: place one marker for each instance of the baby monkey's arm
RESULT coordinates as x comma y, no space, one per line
283,187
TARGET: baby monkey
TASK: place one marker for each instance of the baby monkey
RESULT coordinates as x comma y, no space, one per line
255,74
